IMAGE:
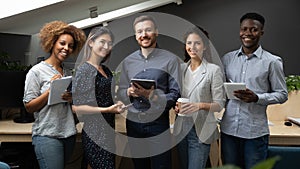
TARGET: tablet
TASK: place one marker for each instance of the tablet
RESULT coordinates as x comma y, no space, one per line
145,83
231,87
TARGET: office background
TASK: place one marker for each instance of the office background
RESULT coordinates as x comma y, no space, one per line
219,18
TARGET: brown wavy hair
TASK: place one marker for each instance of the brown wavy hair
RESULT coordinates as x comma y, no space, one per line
203,34
51,31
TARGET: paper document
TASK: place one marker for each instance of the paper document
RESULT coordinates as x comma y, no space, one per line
57,88
295,120
231,87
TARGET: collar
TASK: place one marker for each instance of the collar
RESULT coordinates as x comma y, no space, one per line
152,54
257,53
202,67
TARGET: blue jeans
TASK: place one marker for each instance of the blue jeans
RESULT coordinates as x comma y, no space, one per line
193,154
244,153
53,153
4,166
146,130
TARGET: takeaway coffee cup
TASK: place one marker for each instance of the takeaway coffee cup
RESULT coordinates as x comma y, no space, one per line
182,101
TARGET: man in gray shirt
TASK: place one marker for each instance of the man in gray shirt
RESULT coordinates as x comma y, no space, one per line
148,117
244,126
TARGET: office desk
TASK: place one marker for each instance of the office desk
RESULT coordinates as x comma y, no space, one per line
12,132
281,134
277,113
15,132
20,132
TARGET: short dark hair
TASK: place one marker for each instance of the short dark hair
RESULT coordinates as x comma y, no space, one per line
144,18
254,16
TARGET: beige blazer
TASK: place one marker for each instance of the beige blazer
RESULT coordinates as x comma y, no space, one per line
208,87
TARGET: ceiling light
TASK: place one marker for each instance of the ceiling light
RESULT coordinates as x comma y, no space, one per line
23,6
126,11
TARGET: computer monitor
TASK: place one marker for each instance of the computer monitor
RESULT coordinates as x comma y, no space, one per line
11,94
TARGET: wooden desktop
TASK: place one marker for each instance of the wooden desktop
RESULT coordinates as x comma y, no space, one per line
21,132
280,134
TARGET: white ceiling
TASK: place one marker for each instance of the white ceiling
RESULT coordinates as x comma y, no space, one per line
71,11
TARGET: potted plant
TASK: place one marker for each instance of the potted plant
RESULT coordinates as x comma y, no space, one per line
293,83
13,75
7,65
291,107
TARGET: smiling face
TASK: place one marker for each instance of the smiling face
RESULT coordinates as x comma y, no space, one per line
101,46
194,46
250,33
63,47
145,34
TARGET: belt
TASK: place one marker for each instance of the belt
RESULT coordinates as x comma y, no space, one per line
144,117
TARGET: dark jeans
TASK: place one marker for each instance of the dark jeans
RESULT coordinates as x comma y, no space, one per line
192,153
152,143
244,153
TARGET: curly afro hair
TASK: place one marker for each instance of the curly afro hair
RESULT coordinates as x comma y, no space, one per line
51,31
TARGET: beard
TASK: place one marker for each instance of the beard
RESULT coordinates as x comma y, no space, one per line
150,41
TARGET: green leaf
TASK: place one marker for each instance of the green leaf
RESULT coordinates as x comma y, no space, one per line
292,82
267,164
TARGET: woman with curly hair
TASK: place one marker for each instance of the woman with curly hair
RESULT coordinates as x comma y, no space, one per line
54,130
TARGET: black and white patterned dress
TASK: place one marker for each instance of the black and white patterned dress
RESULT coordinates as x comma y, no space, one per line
91,88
